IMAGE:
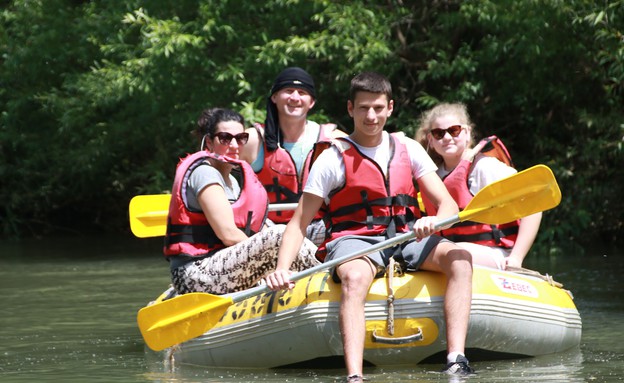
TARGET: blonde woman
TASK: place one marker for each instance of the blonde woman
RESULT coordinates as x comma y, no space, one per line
448,135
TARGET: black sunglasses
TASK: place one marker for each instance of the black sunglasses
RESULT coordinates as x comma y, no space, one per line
225,138
452,130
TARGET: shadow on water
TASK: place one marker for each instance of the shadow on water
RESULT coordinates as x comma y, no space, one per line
562,367
69,315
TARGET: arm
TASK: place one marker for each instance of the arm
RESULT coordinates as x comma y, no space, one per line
249,151
529,226
219,214
295,232
488,170
433,187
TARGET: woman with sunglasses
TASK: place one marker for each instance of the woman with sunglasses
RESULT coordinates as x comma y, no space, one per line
447,133
217,240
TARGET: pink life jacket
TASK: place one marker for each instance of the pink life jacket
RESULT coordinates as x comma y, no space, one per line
457,184
188,232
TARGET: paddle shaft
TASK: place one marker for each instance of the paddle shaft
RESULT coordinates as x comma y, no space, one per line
282,206
148,214
272,207
241,296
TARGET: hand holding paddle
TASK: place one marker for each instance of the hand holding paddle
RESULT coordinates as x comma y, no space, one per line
188,316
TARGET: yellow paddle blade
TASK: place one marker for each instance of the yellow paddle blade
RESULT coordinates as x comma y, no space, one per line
148,215
527,192
179,319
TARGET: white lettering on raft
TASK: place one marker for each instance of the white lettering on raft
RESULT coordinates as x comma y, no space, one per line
515,286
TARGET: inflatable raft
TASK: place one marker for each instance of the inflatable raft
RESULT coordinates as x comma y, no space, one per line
513,315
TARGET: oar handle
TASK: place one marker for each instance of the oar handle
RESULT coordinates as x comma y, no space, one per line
240,296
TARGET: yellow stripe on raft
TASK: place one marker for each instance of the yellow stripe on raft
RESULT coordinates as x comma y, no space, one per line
320,290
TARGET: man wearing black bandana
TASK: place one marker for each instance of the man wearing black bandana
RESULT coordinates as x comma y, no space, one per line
279,150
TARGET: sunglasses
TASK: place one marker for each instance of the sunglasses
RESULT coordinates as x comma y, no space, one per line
225,138
452,130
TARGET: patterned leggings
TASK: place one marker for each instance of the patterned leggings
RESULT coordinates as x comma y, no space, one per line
240,266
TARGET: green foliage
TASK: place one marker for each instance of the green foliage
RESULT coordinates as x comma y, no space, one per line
99,98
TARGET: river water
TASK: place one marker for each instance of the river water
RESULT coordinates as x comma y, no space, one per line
69,315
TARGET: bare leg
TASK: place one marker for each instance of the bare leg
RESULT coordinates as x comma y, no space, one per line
456,264
356,277
485,255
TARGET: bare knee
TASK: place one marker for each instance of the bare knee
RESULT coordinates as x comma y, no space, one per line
460,261
355,278
452,259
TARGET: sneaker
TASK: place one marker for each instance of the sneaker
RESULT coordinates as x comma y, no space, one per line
355,378
459,367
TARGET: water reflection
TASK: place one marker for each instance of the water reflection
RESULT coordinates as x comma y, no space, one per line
69,315
562,367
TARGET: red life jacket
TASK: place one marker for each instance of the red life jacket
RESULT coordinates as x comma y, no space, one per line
457,184
188,232
280,179
370,203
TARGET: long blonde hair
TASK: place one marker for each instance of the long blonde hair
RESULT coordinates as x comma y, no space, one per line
427,118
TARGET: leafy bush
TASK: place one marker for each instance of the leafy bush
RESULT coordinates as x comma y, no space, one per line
99,97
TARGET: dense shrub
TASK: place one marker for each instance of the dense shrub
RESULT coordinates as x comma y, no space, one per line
98,98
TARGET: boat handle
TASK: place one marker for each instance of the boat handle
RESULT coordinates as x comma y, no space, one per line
400,340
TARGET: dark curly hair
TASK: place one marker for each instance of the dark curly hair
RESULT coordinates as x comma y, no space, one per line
211,117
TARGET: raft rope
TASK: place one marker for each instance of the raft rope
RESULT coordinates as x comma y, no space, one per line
390,299
169,360
393,267
547,278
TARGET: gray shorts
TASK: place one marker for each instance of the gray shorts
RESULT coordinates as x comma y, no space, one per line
409,254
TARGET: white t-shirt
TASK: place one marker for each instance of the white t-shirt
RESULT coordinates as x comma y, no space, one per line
328,171
486,170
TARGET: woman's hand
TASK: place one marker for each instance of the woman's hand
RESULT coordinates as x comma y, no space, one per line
512,261
279,280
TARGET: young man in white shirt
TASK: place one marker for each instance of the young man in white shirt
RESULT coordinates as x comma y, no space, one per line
369,146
